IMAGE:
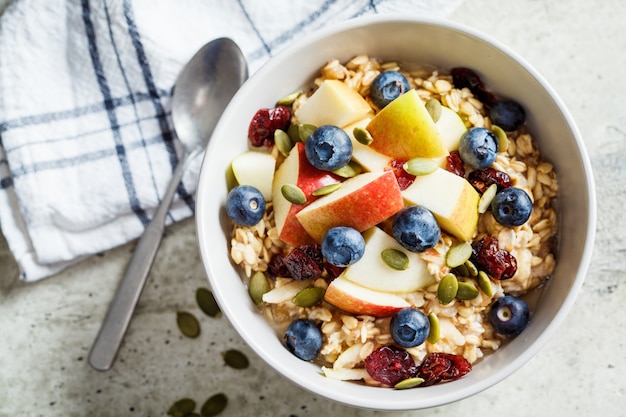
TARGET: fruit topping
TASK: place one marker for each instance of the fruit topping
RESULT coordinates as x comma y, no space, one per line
305,262
497,263
404,178
409,327
388,86
442,367
481,179
478,147
265,122
509,315
390,365
467,78
328,148
511,207
245,205
304,339
454,164
343,246
508,114
416,229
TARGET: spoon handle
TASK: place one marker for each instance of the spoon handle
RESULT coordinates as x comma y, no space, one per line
120,311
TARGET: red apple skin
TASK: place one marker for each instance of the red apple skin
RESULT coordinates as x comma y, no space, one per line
361,209
309,180
340,296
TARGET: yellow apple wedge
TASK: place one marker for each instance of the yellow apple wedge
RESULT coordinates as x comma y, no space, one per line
361,202
450,127
373,273
355,299
333,103
452,200
257,169
364,155
404,129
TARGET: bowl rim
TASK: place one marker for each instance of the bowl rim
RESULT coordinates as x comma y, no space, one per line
396,402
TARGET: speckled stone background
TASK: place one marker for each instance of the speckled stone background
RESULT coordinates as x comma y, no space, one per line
46,328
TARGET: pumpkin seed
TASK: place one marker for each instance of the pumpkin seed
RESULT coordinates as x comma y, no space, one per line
351,169
447,289
409,383
466,291
289,99
214,405
293,194
434,109
461,271
282,141
362,135
258,286
235,359
182,408
187,324
207,303
435,328
486,198
485,283
471,268
293,132
308,297
305,130
327,189
420,166
458,254
503,140
395,259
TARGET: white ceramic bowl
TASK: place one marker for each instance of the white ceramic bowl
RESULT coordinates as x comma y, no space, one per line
413,40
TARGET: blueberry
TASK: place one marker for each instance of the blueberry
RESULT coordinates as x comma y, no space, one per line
509,315
511,207
508,114
343,246
409,327
245,205
478,147
328,148
304,339
416,229
388,86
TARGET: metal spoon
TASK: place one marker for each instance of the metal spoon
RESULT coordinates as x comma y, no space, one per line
202,90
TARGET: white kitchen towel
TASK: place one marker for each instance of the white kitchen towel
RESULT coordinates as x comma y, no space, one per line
87,144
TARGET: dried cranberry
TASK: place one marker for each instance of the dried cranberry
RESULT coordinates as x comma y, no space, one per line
482,179
440,367
465,77
403,178
390,365
276,266
265,122
305,262
497,263
454,164
333,270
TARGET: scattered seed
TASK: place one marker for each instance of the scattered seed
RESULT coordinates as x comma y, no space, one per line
214,405
466,291
471,268
409,383
420,166
362,136
327,189
434,109
503,140
282,141
289,99
485,283
308,297
486,198
395,259
235,359
293,132
207,302
293,194
188,324
447,289
304,131
351,169
461,271
458,254
258,286
435,329
182,408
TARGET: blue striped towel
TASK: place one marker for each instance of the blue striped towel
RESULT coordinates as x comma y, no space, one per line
87,144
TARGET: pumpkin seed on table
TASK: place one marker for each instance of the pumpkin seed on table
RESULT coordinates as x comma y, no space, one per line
308,297
214,405
466,291
485,283
235,359
182,408
420,166
435,328
395,259
289,98
258,286
293,194
327,189
447,288
486,198
434,109
187,324
207,302
458,254
305,130
409,383
283,142
362,136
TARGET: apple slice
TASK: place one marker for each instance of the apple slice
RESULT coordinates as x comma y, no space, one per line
257,169
353,298
364,155
373,273
452,200
404,129
333,103
361,202
450,127
296,170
